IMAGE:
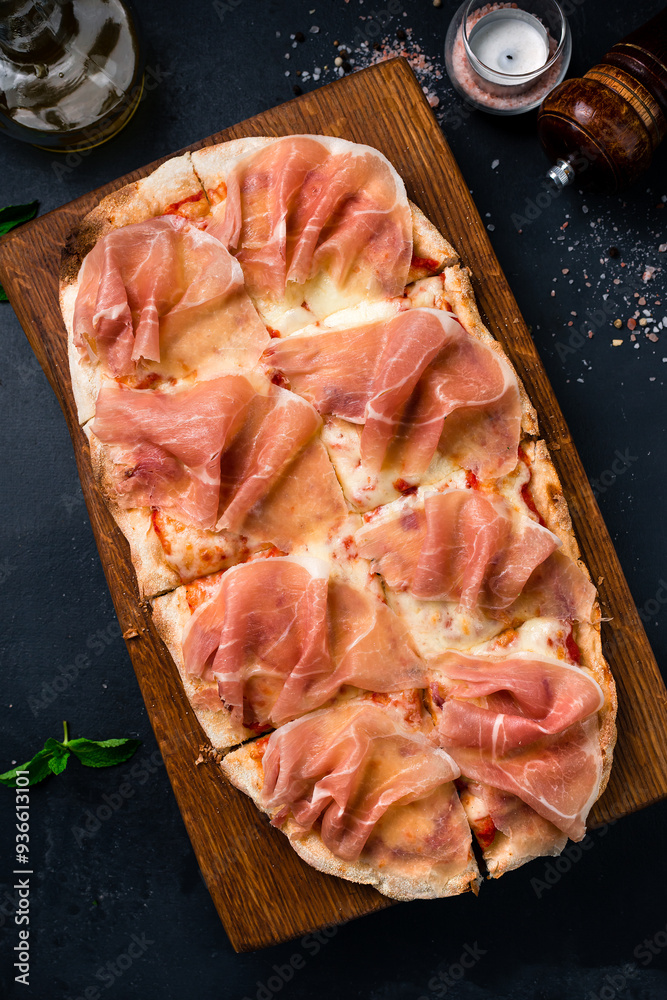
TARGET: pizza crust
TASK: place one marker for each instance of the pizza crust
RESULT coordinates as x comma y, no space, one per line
171,613
547,493
170,183
244,769
431,252
154,574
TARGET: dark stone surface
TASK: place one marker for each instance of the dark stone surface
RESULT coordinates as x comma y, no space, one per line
135,877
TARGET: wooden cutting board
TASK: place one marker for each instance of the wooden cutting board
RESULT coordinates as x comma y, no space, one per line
262,890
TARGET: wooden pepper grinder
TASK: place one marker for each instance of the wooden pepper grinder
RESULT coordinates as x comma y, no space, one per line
603,129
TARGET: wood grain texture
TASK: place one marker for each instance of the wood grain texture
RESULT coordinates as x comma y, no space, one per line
263,892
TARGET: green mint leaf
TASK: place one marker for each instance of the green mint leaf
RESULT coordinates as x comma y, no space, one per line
53,758
12,216
59,755
37,768
58,764
103,753
15,215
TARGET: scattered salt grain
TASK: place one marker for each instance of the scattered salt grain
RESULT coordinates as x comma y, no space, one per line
495,164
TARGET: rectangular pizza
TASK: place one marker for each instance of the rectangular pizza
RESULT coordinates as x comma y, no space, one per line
338,505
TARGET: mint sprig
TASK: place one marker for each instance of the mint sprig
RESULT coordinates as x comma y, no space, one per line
55,755
12,216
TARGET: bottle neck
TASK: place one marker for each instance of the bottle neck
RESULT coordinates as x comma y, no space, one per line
34,30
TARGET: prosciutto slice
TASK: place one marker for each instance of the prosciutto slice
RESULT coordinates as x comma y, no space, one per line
419,384
281,639
459,546
276,428
168,445
209,453
163,291
308,204
525,725
348,767
491,811
557,588
307,503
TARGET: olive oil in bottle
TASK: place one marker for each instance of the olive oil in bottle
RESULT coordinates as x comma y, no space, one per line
71,71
